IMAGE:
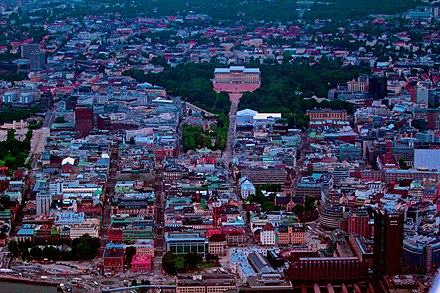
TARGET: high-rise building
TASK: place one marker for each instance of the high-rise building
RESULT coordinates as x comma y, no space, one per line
388,241
71,102
377,87
28,49
434,97
47,99
422,252
83,119
43,202
357,222
427,158
330,217
103,122
422,95
430,115
37,60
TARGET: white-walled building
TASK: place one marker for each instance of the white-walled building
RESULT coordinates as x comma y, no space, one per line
77,231
246,188
248,116
267,235
422,95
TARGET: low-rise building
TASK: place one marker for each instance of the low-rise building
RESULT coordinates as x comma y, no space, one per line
144,247
182,243
267,235
114,235
206,283
327,114
141,263
246,188
328,269
217,244
77,231
291,234
113,260
267,283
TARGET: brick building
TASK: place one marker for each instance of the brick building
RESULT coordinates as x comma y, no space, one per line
115,235
113,260
358,222
83,119
327,269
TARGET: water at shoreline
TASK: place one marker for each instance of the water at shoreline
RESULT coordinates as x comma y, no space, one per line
12,287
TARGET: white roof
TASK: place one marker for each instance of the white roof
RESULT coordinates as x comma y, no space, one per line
68,160
267,115
247,112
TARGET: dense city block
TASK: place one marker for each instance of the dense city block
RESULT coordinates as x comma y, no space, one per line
221,146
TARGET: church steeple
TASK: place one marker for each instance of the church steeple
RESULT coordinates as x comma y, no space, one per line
288,185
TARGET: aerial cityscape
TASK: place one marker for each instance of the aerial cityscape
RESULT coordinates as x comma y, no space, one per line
196,146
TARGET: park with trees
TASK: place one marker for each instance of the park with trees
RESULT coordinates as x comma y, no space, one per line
285,88
288,88
174,264
82,248
9,114
13,152
249,11
195,137
191,81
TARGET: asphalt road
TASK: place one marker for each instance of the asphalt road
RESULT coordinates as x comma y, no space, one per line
228,152
39,139
72,275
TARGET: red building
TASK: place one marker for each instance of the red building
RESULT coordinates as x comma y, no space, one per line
357,222
430,115
141,263
103,122
387,161
165,152
113,260
234,236
315,269
115,235
83,119
388,239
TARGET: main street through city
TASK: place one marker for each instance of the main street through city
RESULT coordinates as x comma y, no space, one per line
229,150
39,139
